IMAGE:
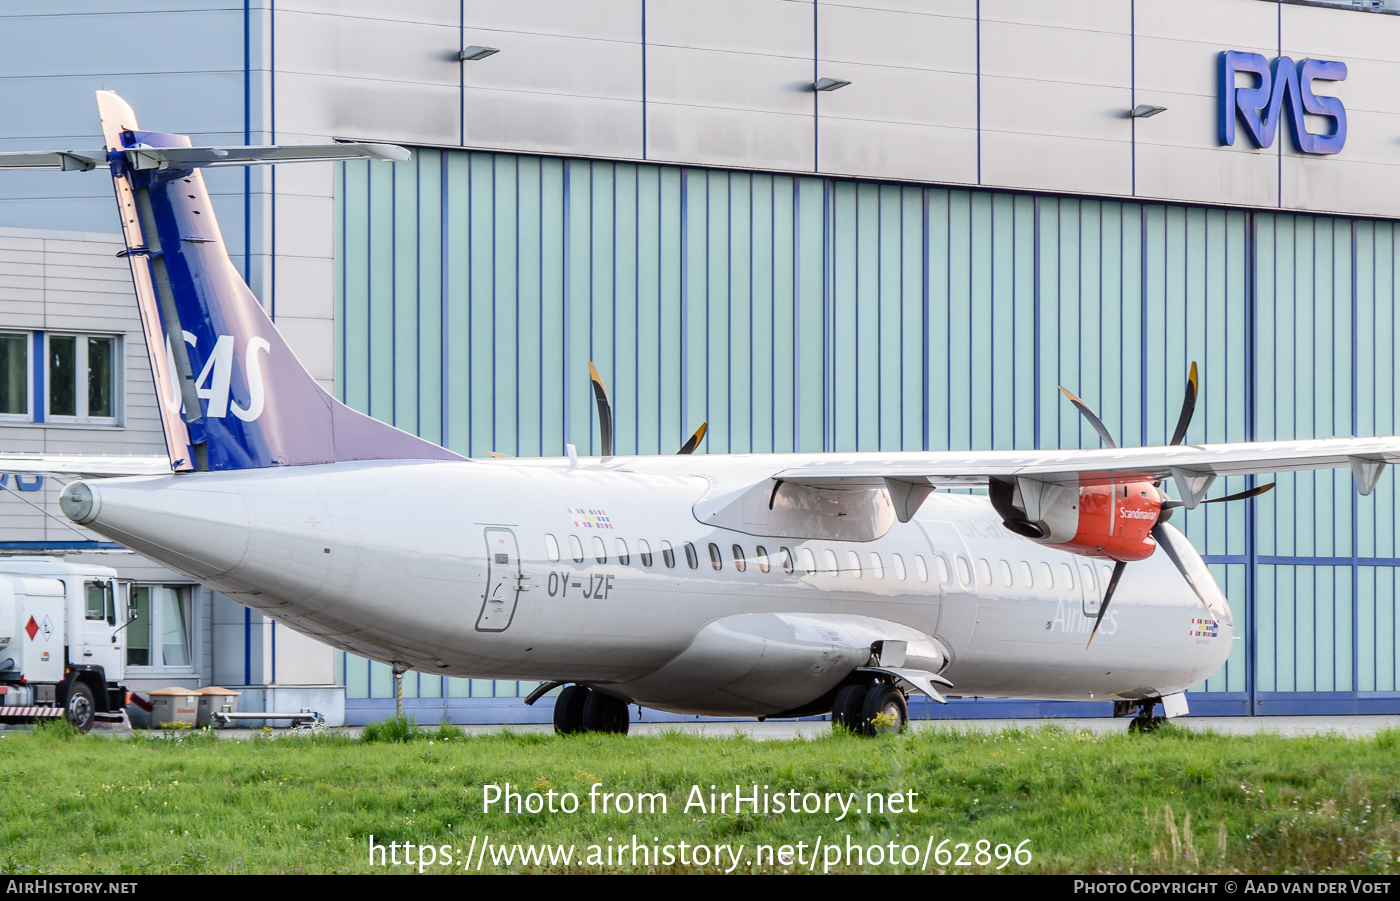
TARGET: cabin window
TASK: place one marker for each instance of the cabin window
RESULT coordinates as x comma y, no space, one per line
692,558
1088,576
1067,576
739,563
551,548
920,568
761,558
1047,578
668,555
600,551
786,556
829,558
716,561
1027,575
1006,578
877,567
1107,577
942,563
623,556
964,571
898,562
575,548
984,569
644,551
853,561
809,562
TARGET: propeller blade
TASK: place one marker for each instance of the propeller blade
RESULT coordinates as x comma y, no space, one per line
1188,406
1243,495
694,442
774,496
605,420
1107,596
1089,415
1159,534
501,456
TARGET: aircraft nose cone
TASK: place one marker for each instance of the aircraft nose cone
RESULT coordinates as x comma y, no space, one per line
79,503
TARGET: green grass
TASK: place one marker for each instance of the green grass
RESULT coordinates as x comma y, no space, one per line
1087,803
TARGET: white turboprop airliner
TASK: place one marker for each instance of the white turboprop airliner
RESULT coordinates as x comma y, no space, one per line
738,585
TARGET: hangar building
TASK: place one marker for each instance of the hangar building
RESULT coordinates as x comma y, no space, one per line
854,225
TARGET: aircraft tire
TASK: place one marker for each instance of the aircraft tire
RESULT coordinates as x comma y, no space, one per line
885,711
845,710
568,709
1145,724
604,713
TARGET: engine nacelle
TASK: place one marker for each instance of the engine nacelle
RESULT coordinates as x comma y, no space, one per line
1112,520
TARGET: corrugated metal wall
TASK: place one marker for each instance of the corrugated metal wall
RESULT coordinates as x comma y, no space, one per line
815,314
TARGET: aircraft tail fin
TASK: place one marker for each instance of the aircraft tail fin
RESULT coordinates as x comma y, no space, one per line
232,395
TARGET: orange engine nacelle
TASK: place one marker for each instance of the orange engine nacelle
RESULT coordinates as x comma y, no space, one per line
1113,520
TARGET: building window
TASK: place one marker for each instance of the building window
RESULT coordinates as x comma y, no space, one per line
160,635
81,378
14,376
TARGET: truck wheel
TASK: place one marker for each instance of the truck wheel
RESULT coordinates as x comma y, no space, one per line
80,707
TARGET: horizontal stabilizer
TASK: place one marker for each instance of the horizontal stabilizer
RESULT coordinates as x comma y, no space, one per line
85,465
141,156
80,160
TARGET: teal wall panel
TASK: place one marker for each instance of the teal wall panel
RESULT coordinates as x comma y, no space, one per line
810,314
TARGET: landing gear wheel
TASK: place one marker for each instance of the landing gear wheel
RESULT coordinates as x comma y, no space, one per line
80,707
845,710
885,711
568,709
604,713
1144,724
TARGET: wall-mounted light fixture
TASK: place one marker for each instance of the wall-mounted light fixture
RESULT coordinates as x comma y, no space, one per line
829,84
1145,111
474,53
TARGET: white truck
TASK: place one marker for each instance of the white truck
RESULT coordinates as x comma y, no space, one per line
62,641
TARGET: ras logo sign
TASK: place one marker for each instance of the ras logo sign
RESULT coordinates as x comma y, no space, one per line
215,379
1260,107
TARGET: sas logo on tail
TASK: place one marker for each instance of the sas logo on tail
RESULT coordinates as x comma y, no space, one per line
215,379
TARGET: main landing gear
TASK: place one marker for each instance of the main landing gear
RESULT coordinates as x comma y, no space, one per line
581,709
871,709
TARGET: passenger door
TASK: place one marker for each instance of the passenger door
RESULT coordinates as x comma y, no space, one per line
502,581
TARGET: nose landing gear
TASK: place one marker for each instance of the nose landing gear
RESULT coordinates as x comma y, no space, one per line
870,709
1144,721
581,709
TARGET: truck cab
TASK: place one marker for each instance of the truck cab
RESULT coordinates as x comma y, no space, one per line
62,640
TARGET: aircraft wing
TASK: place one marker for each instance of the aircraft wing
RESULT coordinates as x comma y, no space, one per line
85,465
1183,463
